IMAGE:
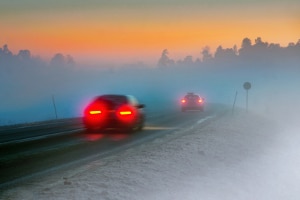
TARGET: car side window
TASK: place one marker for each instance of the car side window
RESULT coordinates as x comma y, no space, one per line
133,101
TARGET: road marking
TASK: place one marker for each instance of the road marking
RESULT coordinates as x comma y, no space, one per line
204,119
42,136
159,128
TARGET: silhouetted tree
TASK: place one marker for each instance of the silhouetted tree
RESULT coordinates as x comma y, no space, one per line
6,57
260,47
70,60
225,55
246,43
245,47
292,52
260,43
198,61
164,60
24,55
188,60
58,60
206,54
6,51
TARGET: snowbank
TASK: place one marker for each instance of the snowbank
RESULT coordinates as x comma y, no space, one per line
243,156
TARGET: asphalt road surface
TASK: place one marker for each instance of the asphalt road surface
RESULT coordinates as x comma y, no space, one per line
33,150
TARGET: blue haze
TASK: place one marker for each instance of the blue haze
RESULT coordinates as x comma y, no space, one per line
29,83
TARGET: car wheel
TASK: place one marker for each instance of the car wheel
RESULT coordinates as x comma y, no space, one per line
128,129
140,126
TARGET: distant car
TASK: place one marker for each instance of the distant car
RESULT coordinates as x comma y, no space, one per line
114,111
192,101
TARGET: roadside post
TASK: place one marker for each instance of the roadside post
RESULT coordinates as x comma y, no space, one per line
53,101
247,87
236,93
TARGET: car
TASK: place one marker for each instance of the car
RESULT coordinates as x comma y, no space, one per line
114,111
192,101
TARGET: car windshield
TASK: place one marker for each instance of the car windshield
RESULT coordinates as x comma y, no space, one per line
112,101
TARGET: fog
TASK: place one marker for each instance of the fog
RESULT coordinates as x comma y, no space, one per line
251,156
29,84
240,156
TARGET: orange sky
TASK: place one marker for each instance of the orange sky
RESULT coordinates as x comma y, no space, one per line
119,35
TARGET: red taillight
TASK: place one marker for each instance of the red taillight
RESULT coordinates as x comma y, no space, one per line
183,101
200,100
95,112
126,113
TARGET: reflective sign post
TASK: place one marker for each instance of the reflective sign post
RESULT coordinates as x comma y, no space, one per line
53,101
236,93
247,87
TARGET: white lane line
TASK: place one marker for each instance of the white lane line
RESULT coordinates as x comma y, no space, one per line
204,119
159,128
42,136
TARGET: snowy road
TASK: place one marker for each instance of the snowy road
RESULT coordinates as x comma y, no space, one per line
24,160
244,156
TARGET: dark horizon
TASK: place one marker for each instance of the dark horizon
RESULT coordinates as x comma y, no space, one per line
247,49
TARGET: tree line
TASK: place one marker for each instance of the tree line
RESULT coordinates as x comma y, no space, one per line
256,52
25,58
250,52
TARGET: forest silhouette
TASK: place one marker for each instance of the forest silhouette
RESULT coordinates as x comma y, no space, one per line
258,52
254,53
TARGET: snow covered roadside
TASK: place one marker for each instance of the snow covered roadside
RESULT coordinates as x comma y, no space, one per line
235,157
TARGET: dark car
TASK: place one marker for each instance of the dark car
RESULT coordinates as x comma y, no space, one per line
114,111
192,101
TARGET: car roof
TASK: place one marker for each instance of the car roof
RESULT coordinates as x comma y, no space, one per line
118,98
111,97
191,94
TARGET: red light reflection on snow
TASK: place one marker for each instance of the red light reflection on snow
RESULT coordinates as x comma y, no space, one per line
94,136
118,136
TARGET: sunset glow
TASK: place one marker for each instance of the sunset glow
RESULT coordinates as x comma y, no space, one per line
139,33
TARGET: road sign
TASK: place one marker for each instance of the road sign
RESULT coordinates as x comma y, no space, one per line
247,85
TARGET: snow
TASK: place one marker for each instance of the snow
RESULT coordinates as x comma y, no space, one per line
240,156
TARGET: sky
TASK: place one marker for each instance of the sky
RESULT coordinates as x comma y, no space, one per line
123,31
